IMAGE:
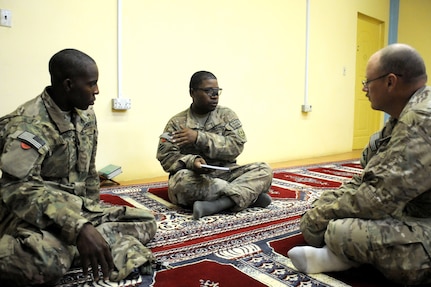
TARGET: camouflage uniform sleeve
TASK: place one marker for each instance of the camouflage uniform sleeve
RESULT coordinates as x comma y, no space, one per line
169,154
394,176
25,193
225,143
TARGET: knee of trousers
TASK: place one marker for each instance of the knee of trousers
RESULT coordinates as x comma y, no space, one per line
349,239
263,172
268,170
181,180
265,168
22,265
176,184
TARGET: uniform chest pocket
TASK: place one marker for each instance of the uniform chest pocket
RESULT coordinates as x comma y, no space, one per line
57,164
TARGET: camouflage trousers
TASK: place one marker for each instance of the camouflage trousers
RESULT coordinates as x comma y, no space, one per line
401,251
242,184
33,256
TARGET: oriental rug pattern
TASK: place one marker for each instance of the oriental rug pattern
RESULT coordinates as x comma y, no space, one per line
228,248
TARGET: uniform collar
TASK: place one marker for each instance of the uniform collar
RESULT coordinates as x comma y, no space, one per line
56,113
213,119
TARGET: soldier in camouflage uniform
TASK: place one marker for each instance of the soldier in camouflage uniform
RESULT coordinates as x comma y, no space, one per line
382,217
50,214
210,134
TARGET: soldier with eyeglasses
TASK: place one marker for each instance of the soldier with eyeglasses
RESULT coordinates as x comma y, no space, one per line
383,216
207,133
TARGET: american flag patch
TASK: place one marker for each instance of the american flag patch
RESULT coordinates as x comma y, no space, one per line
31,140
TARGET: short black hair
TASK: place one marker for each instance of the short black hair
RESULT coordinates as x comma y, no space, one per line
198,77
68,63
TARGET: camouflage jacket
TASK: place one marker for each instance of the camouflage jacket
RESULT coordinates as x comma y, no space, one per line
220,140
395,182
48,167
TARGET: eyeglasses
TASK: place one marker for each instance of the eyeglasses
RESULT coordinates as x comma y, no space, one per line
211,91
366,82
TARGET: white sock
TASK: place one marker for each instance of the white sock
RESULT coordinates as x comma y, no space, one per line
309,259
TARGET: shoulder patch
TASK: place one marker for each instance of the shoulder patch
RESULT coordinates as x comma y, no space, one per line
241,134
166,136
31,140
235,124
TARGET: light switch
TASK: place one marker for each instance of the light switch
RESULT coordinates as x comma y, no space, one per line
5,18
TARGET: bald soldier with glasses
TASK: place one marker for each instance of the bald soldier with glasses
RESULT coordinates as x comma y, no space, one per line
383,216
208,134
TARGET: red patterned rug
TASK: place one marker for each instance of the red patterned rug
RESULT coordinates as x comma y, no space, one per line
237,249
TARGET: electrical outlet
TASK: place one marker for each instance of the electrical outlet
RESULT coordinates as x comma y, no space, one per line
121,104
306,108
5,18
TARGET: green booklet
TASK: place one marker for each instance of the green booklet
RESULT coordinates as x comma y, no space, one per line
110,171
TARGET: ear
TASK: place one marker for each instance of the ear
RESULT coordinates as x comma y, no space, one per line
391,81
67,84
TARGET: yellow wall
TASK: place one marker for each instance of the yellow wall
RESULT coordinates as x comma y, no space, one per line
414,28
256,48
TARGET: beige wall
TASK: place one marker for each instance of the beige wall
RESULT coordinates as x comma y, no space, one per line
256,48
